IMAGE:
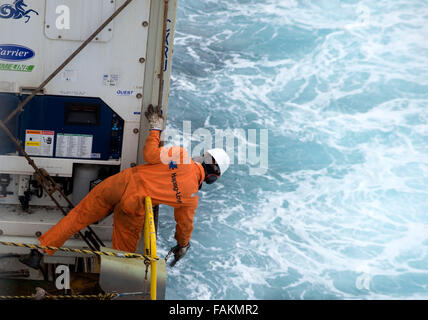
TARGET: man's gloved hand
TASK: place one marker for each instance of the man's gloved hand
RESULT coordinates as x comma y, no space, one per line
179,252
154,116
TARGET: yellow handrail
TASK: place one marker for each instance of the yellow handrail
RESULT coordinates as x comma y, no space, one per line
150,244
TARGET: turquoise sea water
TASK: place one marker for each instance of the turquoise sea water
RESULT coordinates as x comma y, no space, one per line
342,87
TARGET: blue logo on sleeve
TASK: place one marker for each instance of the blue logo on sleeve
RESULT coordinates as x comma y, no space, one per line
16,11
173,165
14,52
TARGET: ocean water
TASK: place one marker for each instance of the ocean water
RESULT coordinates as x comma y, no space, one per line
342,88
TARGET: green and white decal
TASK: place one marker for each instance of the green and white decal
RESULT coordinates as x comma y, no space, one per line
16,67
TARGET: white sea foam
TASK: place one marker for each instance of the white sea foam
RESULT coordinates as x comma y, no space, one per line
342,88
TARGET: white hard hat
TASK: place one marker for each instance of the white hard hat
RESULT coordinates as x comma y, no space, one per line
221,158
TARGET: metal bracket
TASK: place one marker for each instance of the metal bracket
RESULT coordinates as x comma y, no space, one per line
128,275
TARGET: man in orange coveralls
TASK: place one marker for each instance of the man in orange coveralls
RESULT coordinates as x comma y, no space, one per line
170,177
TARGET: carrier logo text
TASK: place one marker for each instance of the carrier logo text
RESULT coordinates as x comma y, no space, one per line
13,52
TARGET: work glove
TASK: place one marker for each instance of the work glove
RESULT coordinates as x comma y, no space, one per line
179,252
154,116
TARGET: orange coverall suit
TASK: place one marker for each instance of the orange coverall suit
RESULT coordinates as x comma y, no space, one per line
174,183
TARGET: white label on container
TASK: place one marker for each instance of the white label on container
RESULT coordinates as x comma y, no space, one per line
39,142
69,75
110,80
73,145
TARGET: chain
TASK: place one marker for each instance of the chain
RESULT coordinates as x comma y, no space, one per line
146,290
147,263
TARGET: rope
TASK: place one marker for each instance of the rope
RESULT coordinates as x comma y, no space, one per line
42,294
82,251
106,296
